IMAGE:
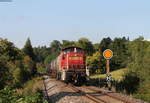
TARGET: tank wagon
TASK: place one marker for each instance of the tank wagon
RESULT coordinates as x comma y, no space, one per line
69,66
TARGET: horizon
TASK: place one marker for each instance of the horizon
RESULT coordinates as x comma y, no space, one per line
48,45
52,20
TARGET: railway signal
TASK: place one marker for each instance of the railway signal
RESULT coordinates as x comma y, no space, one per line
108,54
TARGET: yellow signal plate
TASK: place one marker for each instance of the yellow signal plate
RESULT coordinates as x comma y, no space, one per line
108,54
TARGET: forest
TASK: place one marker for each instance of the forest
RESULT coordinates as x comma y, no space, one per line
21,69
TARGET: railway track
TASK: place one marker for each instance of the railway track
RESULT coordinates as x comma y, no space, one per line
45,93
95,96
96,100
110,94
89,94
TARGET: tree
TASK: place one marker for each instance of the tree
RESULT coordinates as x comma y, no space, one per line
50,57
9,54
41,53
105,44
140,51
55,46
139,66
4,72
28,50
41,68
93,63
67,43
30,66
96,47
18,77
8,50
86,45
119,47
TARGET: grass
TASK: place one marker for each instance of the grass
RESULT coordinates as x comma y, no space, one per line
126,86
31,86
117,75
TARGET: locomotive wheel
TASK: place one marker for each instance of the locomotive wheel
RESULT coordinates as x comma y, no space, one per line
83,80
58,76
70,79
78,80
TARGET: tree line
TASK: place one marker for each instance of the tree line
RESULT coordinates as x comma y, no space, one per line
17,67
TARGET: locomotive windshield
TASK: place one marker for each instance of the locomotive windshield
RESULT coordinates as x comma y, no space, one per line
68,50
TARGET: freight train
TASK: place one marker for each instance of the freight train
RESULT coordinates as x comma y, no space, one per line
69,66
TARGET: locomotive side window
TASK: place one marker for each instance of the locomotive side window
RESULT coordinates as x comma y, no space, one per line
65,51
68,50
79,50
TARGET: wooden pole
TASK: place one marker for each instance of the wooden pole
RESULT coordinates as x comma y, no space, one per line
107,66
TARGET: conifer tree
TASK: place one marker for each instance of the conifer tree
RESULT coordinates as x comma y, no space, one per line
28,50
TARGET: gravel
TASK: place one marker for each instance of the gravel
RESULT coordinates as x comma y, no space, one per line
58,92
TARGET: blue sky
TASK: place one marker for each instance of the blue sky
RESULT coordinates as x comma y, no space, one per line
47,20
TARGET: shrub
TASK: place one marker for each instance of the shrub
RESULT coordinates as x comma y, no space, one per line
144,91
10,96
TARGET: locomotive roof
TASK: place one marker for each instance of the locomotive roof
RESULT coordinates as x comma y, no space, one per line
72,47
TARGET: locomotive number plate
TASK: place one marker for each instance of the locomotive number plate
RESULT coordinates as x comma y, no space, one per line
75,58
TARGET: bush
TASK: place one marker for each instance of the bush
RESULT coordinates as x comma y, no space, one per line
144,91
18,77
131,78
34,98
10,96
31,86
93,63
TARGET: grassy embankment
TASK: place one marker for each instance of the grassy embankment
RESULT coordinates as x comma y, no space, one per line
30,92
31,86
117,75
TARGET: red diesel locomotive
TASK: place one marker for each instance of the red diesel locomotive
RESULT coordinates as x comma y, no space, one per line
69,66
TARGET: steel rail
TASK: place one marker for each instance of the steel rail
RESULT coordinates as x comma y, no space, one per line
45,93
111,95
94,99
